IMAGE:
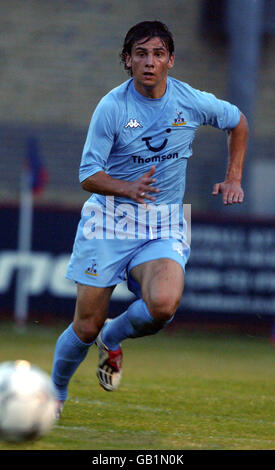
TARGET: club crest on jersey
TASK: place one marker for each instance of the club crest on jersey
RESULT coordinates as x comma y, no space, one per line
179,121
133,124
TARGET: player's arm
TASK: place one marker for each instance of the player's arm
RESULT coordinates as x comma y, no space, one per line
102,183
230,188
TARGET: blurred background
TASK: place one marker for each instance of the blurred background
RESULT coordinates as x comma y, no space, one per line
57,59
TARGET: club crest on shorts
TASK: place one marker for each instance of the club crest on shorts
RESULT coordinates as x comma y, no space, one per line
92,270
178,248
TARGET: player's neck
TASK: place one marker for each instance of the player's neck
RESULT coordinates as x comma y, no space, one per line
155,92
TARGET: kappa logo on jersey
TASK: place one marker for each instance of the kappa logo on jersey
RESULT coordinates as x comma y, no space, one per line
92,270
179,121
133,124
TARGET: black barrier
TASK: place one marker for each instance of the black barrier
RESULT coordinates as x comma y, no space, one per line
231,269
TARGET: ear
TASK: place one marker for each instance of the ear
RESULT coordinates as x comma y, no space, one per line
171,61
128,60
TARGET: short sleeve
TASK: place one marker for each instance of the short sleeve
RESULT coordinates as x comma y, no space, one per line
100,139
217,113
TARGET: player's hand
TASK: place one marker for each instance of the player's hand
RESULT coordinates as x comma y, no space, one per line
139,190
231,191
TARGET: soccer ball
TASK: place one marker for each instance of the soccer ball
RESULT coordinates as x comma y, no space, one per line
28,401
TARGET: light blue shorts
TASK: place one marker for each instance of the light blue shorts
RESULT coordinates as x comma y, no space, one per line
108,262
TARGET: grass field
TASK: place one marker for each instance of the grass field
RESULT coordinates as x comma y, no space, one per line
179,391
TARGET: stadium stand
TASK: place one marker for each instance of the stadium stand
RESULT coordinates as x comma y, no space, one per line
59,57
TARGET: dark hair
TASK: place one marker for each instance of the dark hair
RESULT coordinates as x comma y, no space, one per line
146,30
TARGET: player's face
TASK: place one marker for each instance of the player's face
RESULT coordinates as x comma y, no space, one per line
150,62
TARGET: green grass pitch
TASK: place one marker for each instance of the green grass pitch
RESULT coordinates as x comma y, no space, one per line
178,391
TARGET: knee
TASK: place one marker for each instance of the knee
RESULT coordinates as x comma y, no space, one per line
87,329
162,306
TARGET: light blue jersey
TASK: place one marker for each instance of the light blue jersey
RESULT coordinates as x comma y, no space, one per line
128,134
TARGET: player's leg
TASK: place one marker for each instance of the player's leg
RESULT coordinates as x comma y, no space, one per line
158,269
90,311
162,282
73,344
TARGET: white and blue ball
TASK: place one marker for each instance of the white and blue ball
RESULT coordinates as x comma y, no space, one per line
28,401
